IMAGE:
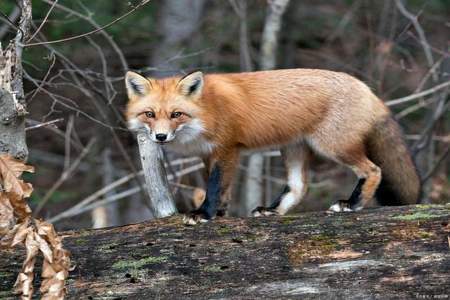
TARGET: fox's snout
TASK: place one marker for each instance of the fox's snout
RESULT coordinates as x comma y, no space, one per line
161,137
162,131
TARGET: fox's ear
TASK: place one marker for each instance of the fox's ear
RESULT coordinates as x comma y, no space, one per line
191,84
137,85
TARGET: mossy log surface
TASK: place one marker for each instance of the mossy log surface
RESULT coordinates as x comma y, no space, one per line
383,253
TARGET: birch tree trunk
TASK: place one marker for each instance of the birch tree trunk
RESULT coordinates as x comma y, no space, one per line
107,215
178,21
269,42
272,26
12,100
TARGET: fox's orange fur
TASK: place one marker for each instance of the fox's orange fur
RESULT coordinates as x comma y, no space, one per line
297,110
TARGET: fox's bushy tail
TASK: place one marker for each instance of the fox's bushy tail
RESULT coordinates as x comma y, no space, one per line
400,183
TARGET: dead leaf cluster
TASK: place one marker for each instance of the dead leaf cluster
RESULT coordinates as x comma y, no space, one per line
18,227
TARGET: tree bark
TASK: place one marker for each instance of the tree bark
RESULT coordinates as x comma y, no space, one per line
383,253
12,99
107,215
272,27
160,198
177,22
254,183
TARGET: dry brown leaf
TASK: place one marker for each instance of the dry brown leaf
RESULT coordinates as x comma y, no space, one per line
32,247
6,215
41,236
53,289
47,270
56,267
22,232
21,208
47,229
37,236
44,247
24,283
14,188
10,171
8,239
24,286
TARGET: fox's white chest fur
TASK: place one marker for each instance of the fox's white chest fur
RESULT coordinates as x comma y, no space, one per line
189,140
198,146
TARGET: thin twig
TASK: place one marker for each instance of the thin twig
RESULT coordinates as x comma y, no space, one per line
423,40
12,18
122,195
412,108
76,209
39,125
52,55
418,95
44,21
11,22
92,31
64,177
67,139
436,166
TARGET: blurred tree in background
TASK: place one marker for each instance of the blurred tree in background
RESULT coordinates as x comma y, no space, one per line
75,89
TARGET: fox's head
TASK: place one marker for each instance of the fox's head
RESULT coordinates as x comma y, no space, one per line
166,107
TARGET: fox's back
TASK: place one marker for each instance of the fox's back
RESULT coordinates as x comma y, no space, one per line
280,105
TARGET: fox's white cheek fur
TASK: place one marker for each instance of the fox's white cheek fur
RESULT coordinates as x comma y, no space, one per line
134,124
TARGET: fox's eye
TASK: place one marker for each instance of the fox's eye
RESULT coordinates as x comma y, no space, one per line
176,114
149,114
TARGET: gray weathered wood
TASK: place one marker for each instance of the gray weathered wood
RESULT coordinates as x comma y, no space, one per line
12,127
12,100
383,253
157,186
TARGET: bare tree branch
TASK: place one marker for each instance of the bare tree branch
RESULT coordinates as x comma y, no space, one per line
90,32
418,95
64,176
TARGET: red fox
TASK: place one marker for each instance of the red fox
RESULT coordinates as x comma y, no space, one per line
297,110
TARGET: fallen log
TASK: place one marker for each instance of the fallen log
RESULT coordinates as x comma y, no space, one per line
383,253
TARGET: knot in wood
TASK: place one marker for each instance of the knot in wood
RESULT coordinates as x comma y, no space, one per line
142,139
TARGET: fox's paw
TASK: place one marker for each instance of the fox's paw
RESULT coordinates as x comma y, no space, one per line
195,218
264,211
343,206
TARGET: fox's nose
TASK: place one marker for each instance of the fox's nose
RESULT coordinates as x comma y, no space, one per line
161,137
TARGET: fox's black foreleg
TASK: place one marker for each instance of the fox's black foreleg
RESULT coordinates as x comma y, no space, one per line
208,208
213,190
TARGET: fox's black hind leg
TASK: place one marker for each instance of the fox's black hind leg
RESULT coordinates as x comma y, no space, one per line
271,210
351,204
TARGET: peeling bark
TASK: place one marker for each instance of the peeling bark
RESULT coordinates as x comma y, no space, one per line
12,99
12,127
384,253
